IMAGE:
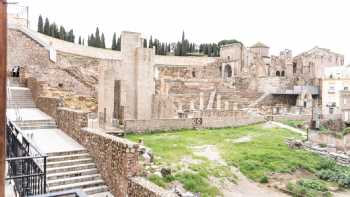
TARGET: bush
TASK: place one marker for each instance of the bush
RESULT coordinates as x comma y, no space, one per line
313,184
304,190
264,179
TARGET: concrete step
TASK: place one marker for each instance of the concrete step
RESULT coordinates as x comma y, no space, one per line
37,127
62,175
74,152
69,162
80,185
67,157
72,180
35,121
103,189
71,168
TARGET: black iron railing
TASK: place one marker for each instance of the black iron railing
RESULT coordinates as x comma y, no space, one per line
26,164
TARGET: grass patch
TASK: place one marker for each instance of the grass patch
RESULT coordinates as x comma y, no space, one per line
294,123
265,153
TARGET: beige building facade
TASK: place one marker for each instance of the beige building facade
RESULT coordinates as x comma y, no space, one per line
335,92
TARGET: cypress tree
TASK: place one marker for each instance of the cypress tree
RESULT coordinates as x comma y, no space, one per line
114,42
62,33
47,27
79,41
97,38
150,43
103,44
144,43
71,37
40,24
119,44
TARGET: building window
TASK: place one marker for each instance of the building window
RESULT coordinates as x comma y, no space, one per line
294,67
331,110
278,73
193,74
331,89
227,71
282,73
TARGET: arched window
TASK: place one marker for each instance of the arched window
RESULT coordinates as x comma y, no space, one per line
278,73
282,73
294,67
227,71
193,74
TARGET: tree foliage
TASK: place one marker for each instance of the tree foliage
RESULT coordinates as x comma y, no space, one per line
54,31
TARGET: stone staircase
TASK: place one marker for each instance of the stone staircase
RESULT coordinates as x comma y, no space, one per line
20,98
36,124
74,170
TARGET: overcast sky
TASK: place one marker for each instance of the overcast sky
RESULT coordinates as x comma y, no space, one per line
294,24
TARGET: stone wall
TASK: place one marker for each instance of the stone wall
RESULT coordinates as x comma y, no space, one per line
116,158
49,105
72,72
315,137
140,187
238,118
37,87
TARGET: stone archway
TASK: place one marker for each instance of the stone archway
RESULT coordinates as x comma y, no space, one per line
227,71
282,73
278,73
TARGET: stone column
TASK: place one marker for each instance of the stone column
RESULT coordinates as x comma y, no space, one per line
218,102
201,101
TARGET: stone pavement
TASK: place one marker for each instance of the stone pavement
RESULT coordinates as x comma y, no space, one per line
52,140
28,114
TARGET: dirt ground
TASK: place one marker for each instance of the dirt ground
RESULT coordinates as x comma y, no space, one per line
243,187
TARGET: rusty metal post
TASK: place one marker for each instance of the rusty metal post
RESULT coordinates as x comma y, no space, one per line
3,74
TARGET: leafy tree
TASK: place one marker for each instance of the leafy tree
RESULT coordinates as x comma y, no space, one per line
114,42
47,27
40,24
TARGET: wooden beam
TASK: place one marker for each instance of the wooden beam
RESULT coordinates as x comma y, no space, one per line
3,74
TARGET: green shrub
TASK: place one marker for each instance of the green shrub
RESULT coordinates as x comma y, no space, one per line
313,184
323,145
157,180
195,183
346,131
304,189
264,179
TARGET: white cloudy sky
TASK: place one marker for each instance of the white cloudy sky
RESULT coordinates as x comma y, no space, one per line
294,24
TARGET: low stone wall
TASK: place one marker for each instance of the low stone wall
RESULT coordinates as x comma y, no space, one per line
289,117
37,87
116,158
238,118
141,187
49,105
315,137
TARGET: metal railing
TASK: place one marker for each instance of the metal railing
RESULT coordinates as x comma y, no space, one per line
9,99
26,164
